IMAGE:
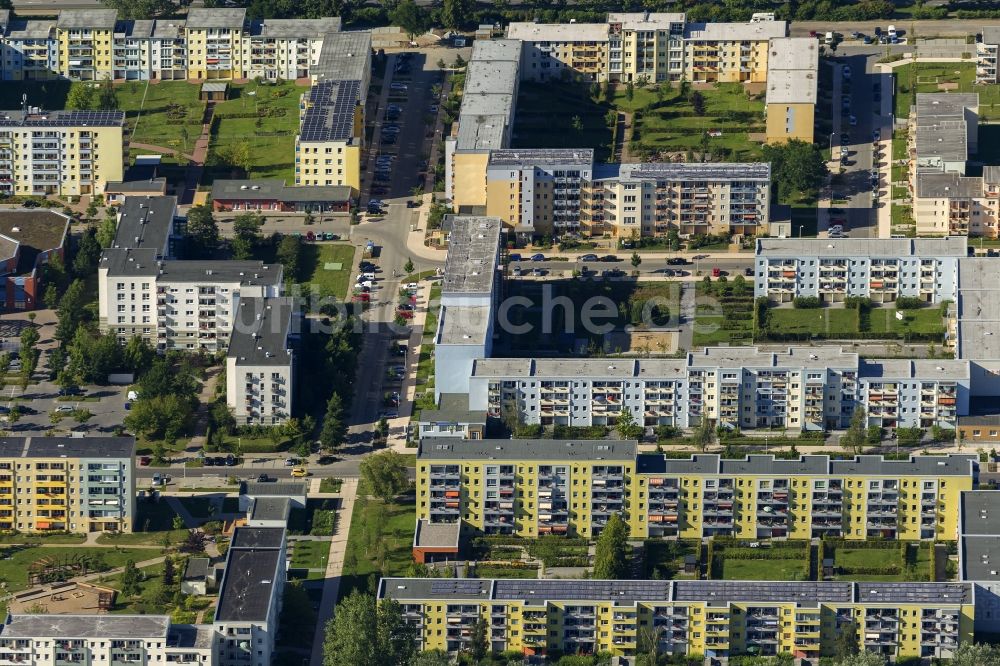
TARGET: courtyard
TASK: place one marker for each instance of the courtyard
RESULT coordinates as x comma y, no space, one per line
924,77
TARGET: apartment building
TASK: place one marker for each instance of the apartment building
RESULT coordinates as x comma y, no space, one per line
214,39
530,488
921,393
792,77
47,640
65,153
250,597
538,192
485,121
260,363
716,619
287,48
328,146
652,199
29,239
28,51
64,484
562,51
882,269
986,55
85,38
469,291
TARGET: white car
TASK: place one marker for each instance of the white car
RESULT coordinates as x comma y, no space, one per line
64,409
411,285
366,276
366,283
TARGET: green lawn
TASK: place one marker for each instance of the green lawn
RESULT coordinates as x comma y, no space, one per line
926,77
901,215
506,572
380,542
830,321
310,554
15,561
924,320
916,569
152,521
673,125
41,538
431,321
270,136
764,569
316,256
167,114
899,138
538,103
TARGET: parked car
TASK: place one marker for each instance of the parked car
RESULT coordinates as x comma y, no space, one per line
230,461
677,261
514,257
145,460
299,472
716,272
538,257
610,257
263,478
589,257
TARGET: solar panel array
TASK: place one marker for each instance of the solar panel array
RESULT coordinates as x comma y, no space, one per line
331,113
952,593
63,118
596,590
459,588
771,591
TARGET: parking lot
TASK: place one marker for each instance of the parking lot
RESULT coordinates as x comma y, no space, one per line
39,401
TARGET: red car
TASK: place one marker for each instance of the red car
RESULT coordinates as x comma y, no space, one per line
361,298
405,314
144,460
716,272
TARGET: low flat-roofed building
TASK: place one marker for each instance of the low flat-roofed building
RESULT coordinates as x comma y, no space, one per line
982,424
433,542
195,577
115,193
29,238
295,491
452,418
274,194
269,512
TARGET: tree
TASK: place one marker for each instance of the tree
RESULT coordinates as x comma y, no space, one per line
168,571
703,434
106,232
796,165
288,255
88,253
138,355
195,542
14,415
629,91
364,632
408,266
80,96
625,425
4,363
431,658
246,234
479,644
385,474
697,103
976,654
454,13
202,232
107,100
576,123
70,311
239,155
29,337
636,260
611,550
140,9
382,428
129,582
50,297
857,432
865,658
413,19
334,429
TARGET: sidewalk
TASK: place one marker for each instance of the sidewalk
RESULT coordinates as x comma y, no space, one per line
334,567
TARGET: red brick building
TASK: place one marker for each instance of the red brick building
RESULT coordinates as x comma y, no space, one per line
28,239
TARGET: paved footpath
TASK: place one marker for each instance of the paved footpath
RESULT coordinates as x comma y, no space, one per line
334,567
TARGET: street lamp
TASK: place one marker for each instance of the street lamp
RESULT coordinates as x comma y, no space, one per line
800,230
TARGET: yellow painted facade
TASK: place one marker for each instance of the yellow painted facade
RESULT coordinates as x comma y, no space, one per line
790,121
85,53
529,498
807,629
328,163
214,53
469,174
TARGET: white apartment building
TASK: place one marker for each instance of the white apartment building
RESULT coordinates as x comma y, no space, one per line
986,55
882,269
27,51
260,363
920,393
48,640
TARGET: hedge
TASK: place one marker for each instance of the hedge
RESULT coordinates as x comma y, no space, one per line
869,571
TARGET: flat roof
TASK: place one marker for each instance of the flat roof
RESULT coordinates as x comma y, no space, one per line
436,535
127,262
134,29
17,118
646,20
344,56
883,369
980,557
914,593
589,368
473,247
944,105
948,185
949,465
295,28
242,272
258,537
730,32
330,111
446,448
951,246
991,34
143,186
145,222
482,131
276,189
168,28
696,171
980,512
791,86
768,465
453,408
542,157
86,626
34,231
496,50
249,583
793,357
724,591
946,140
21,29
67,447
445,589
270,508
463,324
620,591
488,76
101,19
196,568
274,489
260,332
979,339
486,104
200,19
558,32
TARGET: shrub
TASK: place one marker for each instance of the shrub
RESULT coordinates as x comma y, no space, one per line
807,302
909,303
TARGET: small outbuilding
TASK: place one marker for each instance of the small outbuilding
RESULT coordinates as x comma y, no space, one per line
214,91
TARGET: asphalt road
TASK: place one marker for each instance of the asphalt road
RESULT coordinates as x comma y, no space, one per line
854,184
105,403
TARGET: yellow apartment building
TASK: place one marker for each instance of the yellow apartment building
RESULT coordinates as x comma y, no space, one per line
328,147
562,51
67,153
716,619
63,484
215,43
792,68
531,488
85,38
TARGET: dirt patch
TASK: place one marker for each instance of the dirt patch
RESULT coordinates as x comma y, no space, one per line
657,342
63,599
